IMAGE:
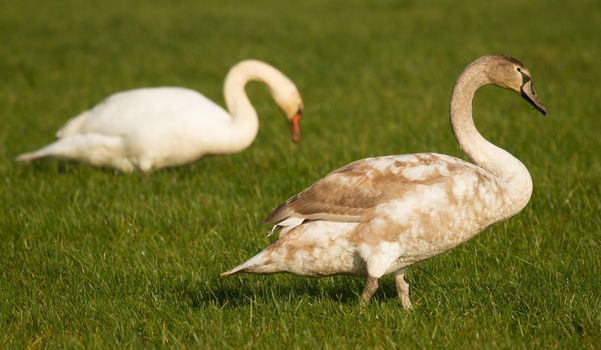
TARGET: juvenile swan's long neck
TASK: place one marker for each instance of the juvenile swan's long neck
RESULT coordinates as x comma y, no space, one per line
511,173
244,125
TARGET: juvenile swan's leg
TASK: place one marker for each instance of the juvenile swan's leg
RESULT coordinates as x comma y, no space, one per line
371,285
402,288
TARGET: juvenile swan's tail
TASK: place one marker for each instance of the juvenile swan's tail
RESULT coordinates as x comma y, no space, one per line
251,265
236,269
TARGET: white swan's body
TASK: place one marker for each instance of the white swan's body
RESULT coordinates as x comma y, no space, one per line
152,128
380,215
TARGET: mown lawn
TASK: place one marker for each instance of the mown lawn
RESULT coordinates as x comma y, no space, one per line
93,258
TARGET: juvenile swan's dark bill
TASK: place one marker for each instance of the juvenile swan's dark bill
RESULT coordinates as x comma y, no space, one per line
527,92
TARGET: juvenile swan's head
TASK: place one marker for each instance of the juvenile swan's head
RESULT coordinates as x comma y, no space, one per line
509,73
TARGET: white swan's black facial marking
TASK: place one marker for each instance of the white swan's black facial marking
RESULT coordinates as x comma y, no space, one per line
528,93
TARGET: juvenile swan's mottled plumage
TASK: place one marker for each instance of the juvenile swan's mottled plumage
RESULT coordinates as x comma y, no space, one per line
380,215
147,129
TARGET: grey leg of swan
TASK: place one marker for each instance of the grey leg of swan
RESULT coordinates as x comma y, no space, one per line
371,285
402,289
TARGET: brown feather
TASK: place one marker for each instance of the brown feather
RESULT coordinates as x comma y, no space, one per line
347,193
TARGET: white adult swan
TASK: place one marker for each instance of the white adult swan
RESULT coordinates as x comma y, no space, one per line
381,215
151,128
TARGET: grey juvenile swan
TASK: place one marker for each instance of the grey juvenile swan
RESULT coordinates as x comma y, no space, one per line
381,215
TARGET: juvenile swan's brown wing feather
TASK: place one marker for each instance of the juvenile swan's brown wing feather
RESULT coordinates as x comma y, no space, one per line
348,192
342,195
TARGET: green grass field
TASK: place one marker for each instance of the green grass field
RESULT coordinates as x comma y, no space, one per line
94,258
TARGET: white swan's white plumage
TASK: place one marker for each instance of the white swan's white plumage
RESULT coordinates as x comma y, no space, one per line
381,215
151,128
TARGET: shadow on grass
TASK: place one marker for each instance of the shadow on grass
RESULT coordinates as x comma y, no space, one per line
58,166
188,171
241,291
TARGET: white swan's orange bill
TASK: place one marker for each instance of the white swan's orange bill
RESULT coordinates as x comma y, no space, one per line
294,128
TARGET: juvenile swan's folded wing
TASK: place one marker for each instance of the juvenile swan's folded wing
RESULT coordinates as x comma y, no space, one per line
349,192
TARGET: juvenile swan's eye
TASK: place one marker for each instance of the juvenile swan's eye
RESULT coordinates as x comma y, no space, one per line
519,69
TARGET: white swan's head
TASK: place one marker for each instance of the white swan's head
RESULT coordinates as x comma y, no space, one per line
282,89
288,98
509,73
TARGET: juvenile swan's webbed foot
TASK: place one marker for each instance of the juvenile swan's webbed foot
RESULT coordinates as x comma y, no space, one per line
402,289
371,285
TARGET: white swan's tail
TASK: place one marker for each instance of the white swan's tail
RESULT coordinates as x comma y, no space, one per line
251,265
97,149
29,156
59,148
70,128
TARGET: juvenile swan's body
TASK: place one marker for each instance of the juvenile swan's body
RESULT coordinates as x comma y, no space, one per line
381,215
151,128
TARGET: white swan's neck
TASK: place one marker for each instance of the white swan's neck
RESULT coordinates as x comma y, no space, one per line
244,125
506,168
